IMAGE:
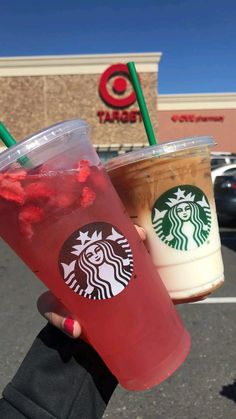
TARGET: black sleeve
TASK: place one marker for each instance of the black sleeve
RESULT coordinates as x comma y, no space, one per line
60,378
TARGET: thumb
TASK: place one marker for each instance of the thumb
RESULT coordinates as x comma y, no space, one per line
56,314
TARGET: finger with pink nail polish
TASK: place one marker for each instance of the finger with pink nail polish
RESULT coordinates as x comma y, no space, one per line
71,327
68,326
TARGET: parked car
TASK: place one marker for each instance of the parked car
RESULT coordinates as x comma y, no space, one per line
225,197
221,158
226,169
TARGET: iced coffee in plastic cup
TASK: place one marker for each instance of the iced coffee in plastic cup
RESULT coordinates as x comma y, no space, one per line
167,189
60,213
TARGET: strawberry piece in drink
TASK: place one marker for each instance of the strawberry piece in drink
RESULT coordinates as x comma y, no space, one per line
83,170
17,175
30,214
88,197
12,190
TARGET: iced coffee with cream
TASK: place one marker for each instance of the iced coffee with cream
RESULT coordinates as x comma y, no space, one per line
167,189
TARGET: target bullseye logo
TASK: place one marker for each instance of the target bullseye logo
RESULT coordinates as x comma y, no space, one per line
120,85
116,91
120,75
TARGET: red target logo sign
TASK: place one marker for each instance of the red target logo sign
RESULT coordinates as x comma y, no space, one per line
115,94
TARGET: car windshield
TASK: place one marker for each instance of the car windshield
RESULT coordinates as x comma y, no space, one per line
229,172
215,163
222,160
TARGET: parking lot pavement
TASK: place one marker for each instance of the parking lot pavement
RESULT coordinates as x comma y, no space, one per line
203,387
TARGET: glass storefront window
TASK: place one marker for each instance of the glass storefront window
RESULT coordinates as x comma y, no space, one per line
107,155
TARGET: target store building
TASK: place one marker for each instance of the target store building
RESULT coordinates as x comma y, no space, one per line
39,91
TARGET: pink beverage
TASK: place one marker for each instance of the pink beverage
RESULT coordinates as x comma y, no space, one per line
62,216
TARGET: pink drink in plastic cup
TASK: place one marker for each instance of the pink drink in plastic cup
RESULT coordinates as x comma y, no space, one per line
62,216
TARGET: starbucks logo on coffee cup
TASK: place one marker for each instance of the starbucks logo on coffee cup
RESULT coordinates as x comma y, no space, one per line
181,217
96,261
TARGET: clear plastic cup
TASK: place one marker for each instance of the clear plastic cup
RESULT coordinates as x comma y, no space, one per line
60,213
167,189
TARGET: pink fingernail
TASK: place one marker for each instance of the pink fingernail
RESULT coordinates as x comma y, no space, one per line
69,326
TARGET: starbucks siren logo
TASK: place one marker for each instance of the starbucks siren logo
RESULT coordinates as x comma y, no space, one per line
96,261
181,217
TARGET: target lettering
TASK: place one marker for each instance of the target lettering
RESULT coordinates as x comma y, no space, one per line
119,116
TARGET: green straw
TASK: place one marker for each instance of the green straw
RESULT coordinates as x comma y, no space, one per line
142,104
9,141
6,137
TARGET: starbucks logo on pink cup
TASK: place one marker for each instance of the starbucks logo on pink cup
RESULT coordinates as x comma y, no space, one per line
181,217
96,261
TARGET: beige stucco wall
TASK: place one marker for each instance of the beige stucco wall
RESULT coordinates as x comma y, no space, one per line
31,102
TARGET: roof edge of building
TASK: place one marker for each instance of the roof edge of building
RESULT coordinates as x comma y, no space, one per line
195,101
74,64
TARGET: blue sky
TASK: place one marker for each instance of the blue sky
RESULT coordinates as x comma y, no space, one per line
197,38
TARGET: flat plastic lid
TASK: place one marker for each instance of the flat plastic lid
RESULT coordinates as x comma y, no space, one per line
39,139
162,149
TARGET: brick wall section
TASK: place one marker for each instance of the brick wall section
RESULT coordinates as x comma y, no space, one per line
31,103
